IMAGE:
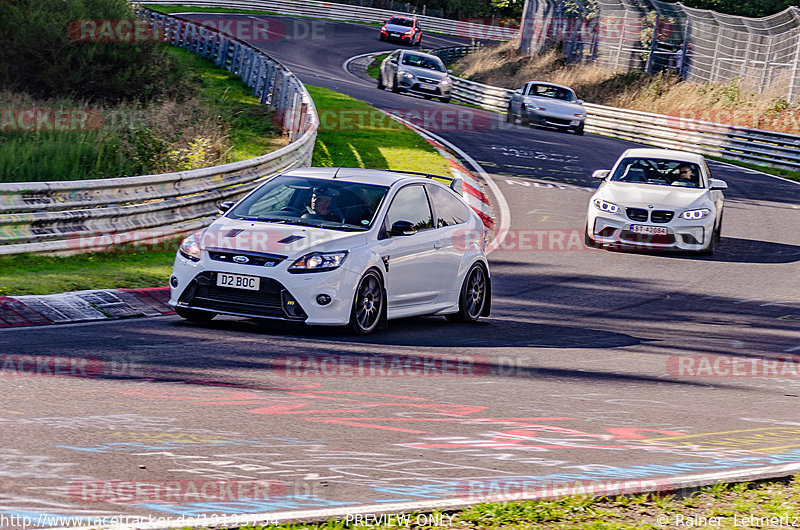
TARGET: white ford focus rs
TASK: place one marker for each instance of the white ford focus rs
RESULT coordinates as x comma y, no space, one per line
350,247
657,199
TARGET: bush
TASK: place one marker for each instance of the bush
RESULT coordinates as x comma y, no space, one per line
39,56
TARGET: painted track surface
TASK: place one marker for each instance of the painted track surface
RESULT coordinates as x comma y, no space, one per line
581,374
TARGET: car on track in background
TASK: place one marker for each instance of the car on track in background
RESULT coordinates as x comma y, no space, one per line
402,29
343,246
547,105
657,199
415,72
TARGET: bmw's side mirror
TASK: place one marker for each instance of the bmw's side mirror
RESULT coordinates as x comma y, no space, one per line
601,173
579,102
393,61
717,184
518,91
403,228
449,70
225,206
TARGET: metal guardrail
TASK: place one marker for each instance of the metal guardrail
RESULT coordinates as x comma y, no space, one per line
78,216
755,146
333,11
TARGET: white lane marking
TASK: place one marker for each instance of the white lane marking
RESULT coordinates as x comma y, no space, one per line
748,170
657,483
792,349
356,57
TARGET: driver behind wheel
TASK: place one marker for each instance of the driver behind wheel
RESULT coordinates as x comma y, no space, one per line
323,205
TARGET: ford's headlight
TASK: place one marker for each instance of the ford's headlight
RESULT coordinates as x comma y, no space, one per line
606,206
318,262
694,215
446,81
407,75
192,246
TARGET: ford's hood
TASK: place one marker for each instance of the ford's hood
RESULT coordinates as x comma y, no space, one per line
274,238
634,194
423,72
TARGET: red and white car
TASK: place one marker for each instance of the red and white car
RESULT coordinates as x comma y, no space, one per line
402,29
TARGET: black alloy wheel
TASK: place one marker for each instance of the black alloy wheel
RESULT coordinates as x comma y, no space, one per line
368,304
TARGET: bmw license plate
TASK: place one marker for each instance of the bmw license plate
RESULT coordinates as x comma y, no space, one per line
427,86
652,230
237,281
395,34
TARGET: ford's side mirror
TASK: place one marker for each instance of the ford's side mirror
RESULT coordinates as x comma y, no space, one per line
601,173
579,102
225,206
403,228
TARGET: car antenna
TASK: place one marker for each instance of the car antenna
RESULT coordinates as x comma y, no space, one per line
337,172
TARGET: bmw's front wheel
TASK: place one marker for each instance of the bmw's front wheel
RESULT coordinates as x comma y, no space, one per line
368,303
472,298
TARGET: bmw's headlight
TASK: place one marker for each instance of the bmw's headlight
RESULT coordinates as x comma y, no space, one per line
606,206
192,246
407,75
318,262
693,215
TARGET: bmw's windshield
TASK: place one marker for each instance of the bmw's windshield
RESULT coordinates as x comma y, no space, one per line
658,172
313,202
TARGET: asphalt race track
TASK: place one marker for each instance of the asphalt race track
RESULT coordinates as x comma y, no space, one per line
596,367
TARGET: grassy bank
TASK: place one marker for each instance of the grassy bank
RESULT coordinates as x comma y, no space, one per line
32,274
219,121
354,134
766,505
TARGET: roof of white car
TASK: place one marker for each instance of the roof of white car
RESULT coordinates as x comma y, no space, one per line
349,174
667,154
545,83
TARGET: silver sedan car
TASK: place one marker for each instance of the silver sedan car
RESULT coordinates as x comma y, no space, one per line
416,72
548,105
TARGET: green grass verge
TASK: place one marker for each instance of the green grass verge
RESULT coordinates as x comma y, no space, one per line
718,506
374,68
354,134
33,274
785,173
250,124
134,140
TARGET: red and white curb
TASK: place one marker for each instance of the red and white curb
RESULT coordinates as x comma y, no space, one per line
83,306
472,189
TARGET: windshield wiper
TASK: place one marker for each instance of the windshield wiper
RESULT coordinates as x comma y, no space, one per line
279,220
